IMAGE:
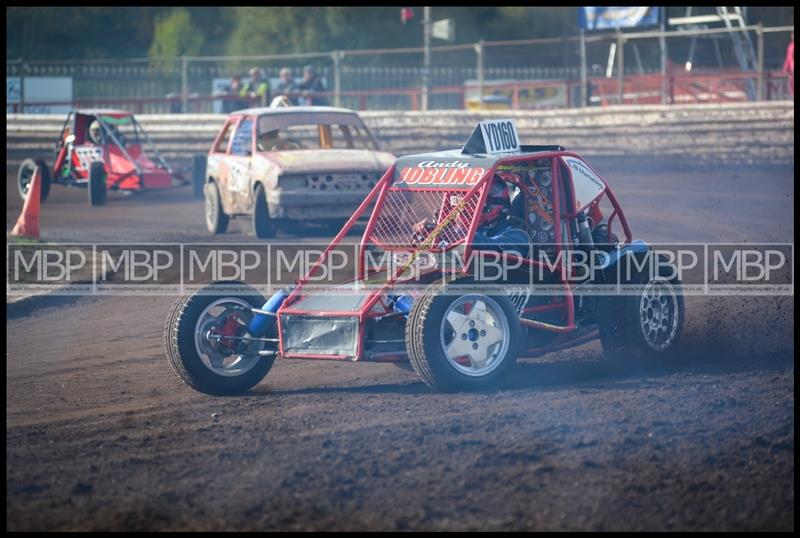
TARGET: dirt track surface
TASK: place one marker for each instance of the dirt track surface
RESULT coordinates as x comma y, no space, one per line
102,435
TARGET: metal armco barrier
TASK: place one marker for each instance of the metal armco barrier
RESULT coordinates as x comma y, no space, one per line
736,132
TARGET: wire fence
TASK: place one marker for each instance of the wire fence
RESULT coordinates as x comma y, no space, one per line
612,68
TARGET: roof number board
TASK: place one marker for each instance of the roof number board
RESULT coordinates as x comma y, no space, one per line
493,137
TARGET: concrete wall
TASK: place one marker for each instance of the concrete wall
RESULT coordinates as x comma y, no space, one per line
732,133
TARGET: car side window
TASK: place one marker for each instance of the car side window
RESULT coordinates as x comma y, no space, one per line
222,145
243,139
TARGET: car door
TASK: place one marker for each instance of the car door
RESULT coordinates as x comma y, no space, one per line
240,164
218,167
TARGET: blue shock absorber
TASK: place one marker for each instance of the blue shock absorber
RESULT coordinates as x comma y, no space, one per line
261,323
403,304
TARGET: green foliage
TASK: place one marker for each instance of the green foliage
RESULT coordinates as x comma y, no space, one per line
175,35
42,33
275,30
48,33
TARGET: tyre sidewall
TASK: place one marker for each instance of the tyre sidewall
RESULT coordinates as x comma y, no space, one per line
97,184
181,342
444,375
263,227
46,180
621,333
212,197
31,165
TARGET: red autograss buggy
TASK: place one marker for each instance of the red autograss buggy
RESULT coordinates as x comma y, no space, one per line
102,150
459,329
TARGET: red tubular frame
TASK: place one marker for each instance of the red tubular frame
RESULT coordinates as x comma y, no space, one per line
379,193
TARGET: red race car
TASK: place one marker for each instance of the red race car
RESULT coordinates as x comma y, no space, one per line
102,150
471,258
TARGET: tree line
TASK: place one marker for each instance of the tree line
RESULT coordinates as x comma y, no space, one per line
59,33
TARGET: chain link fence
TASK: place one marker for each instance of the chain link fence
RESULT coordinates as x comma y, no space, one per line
524,74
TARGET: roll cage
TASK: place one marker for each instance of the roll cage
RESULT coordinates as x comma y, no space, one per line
455,199
78,123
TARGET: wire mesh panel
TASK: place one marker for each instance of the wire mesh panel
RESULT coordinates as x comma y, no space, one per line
424,218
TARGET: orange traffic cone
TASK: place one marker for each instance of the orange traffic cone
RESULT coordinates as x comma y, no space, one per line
28,222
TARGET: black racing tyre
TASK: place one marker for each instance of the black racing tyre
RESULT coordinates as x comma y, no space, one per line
644,328
25,175
263,226
197,359
97,184
199,174
462,342
216,218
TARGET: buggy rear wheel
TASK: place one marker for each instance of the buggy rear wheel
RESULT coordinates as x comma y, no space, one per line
462,342
203,341
97,184
216,218
25,176
645,327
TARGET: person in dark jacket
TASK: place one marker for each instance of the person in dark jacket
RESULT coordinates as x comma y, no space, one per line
286,85
235,88
312,84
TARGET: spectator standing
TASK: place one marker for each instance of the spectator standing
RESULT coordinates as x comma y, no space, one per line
311,84
286,85
788,63
235,88
256,87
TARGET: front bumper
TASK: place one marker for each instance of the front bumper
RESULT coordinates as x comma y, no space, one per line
304,204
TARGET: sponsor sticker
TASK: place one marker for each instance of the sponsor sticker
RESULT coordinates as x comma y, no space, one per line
587,185
440,174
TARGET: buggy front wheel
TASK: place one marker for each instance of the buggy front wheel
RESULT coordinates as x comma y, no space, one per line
462,342
207,342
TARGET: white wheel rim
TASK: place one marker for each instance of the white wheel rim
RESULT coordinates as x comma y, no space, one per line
658,314
474,335
221,363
